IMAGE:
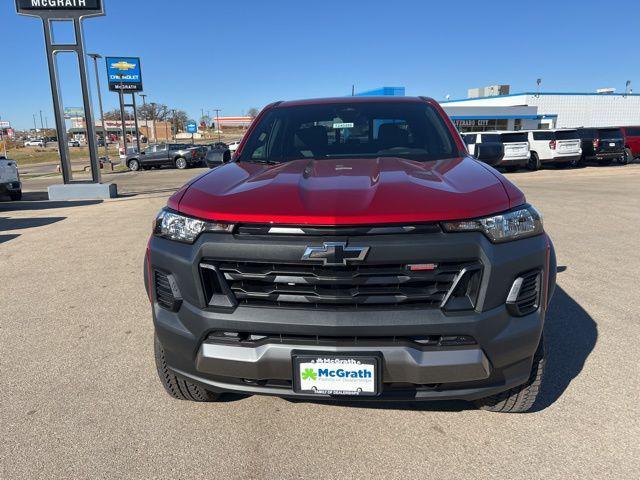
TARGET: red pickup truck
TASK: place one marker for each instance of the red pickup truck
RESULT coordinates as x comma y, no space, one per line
352,249
631,143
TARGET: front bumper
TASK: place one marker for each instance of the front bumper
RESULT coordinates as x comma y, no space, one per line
500,359
10,187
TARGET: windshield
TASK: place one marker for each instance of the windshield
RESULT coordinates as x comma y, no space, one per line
368,130
610,133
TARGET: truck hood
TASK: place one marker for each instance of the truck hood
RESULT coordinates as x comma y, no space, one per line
348,192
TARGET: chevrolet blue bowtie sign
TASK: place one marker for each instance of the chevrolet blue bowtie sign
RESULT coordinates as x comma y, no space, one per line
124,73
53,5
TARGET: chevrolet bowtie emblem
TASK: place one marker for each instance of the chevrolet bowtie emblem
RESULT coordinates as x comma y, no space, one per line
335,253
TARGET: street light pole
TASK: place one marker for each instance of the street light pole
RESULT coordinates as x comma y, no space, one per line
146,118
217,110
95,57
44,136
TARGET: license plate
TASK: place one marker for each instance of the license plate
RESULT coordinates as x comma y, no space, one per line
328,374
612,144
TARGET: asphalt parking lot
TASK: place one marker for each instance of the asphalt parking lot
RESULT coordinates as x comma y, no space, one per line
80,397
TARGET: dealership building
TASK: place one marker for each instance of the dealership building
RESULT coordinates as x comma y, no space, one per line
530,110
495,108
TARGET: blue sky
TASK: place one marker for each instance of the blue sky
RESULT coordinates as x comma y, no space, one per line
240,54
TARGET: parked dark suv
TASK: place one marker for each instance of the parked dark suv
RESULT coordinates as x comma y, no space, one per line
351,249
602,145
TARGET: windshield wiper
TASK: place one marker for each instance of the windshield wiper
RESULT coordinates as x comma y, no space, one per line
259,160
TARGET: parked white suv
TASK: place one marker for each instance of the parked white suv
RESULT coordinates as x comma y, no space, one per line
10,179
515,152
559,146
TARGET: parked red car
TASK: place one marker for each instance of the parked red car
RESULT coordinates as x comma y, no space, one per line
631,143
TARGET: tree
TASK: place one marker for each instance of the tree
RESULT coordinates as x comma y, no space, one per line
115,115
154,111
253,112
179,118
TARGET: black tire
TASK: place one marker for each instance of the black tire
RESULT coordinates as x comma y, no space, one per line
16,196
133,164
575,162
534,162
627,158
180,163
519,399
175,386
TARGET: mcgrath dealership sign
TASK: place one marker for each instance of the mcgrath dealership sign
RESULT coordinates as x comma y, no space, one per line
36,7
124,73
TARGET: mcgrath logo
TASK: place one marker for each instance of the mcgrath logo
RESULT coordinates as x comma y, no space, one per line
309,374
123,65
335,253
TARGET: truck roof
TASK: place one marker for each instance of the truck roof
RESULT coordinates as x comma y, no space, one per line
330,100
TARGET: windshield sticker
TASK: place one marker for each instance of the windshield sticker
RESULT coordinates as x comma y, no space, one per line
342,125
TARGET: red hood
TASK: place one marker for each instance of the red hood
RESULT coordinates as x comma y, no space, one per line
348,192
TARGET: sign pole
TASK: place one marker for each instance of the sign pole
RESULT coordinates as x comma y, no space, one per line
63,147
124,125
76,12
88,108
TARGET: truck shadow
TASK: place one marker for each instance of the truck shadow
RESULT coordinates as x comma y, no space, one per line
31,203
570,335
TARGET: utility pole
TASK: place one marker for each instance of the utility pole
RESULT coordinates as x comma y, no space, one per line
44,134
146,118
95,57
174,125
4,144
35,125
217,110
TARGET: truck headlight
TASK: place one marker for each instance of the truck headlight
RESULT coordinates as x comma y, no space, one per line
181,228
519,223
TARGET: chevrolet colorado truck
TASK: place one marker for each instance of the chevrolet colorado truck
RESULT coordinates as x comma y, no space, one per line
351,249
175,155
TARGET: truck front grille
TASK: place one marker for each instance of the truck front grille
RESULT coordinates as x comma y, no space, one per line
313,286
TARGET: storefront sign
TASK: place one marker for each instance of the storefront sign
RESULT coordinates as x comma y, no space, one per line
471,123
124,73
31,7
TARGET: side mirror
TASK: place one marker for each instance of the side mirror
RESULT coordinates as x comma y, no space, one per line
490,153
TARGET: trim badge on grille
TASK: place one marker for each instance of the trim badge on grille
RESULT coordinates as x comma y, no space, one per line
335,253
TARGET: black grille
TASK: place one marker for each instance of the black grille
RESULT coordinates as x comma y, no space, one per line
257,339
315,286
167,295
528,299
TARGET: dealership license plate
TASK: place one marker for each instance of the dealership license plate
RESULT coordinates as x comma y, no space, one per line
336,374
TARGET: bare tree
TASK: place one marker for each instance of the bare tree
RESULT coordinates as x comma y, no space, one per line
115,115
253,112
